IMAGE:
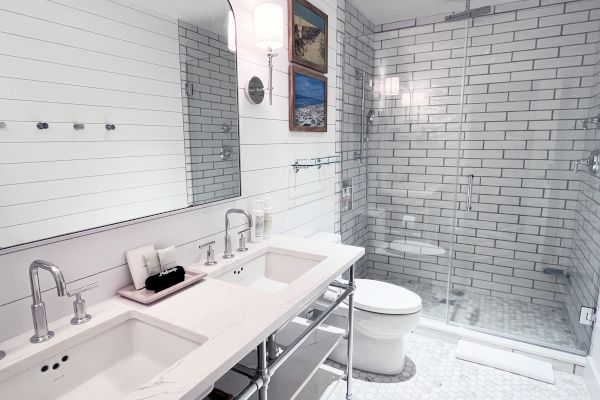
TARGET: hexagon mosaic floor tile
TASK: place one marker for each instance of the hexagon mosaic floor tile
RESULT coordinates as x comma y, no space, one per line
440,376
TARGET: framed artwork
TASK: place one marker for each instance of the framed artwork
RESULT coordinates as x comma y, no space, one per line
307,35
308,100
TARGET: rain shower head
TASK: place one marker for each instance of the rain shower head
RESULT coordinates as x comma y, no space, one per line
370,116
472,13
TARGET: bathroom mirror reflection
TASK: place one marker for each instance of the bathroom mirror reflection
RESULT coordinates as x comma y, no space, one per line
114,110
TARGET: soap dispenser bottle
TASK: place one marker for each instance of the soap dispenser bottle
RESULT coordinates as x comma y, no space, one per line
268,213
258,222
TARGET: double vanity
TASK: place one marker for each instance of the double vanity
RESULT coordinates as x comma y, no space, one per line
180,346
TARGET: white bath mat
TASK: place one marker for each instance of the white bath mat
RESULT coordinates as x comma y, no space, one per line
505,360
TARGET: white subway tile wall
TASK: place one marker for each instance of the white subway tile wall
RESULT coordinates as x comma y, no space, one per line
210,122
354,33
531,77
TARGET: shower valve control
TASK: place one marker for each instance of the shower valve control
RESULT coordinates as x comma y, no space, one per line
587,316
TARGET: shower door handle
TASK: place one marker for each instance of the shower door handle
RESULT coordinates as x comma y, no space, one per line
470,192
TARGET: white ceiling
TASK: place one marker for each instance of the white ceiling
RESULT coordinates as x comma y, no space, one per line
383,11
211,15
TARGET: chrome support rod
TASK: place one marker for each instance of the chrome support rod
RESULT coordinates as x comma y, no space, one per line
246,371
249,390
260,382
351,288
312,327
263,372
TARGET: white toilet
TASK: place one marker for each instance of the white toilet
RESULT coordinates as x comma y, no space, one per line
384,314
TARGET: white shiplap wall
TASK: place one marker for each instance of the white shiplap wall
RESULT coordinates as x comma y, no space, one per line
91,62
303,203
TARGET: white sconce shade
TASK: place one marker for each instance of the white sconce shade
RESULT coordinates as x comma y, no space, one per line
268,26
231,33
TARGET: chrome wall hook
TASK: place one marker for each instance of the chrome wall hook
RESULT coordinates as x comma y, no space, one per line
78,127
110,127
2,125
591,123
42,125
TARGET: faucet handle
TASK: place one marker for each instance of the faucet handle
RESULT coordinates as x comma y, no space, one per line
210,253
82,289
242,246
79,308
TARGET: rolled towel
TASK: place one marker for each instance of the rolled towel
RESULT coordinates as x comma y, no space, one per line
165,279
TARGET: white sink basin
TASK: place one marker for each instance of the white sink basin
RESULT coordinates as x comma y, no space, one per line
271,271
108,361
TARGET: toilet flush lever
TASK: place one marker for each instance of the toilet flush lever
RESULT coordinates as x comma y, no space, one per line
79,308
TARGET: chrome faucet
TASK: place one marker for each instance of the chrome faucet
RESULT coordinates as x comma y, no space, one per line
38,308
228,251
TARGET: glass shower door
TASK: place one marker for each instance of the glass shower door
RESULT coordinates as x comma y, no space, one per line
522,250
412,160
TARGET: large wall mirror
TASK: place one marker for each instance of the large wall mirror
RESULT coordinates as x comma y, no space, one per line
113,110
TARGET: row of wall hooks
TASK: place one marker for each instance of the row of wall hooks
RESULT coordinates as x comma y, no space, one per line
314,163
77,126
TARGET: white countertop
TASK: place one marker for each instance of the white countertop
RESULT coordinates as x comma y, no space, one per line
235,319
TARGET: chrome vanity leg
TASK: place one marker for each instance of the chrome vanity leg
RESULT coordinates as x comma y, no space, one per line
263,373
350,335
271,348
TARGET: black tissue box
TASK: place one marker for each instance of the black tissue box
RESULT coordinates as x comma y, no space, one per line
165,279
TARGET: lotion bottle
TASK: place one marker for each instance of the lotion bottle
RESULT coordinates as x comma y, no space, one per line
268,213
258,222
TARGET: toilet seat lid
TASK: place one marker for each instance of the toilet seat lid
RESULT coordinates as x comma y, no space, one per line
385,298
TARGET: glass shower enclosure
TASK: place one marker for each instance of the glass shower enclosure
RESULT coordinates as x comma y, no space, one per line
464,188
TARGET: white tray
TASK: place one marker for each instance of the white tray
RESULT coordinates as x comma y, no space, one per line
148,296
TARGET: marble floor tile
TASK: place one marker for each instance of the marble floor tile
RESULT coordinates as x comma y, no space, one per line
433,373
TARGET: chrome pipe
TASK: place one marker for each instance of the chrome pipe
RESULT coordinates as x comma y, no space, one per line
263,372
300,339
246,371
249,390
339,285
468,14
350,348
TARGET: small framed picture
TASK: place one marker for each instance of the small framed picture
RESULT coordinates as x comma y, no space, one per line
307,35
308,100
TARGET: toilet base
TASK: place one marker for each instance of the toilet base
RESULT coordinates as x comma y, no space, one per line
386,356
368,363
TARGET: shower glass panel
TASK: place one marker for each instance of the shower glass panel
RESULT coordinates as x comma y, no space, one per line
412,161
471,200
513,268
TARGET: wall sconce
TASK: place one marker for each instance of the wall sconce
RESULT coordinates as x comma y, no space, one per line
268,33
231,45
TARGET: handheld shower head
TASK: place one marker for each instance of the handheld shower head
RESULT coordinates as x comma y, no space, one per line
370,116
